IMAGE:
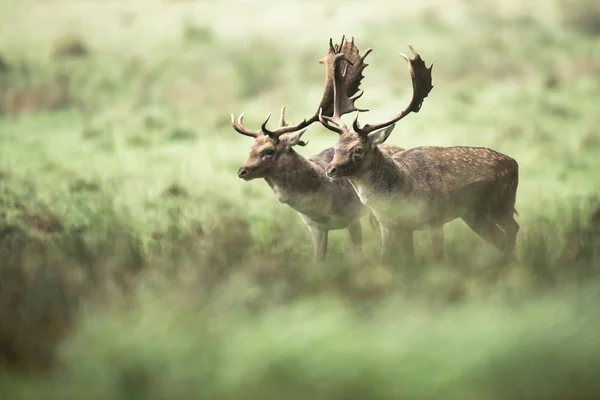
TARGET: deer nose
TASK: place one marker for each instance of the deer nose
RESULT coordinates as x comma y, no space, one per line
242,172
332,171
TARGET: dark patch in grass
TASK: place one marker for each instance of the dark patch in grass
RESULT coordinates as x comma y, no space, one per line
43,279
465,96
582,16
71,47
153,122
590,139
4,65
30,99
91,133
513,131
595,218
81,185
138,141
559,111
197,33
551,82
181,134
176,190
43,221
36,301
581,248
231,233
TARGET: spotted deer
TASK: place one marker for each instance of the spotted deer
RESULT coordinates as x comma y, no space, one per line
302,183
424,187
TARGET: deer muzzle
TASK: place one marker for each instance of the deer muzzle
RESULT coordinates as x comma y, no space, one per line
244,173
333,171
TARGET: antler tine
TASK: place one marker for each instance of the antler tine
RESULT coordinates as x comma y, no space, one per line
284,128
282,118
357,96
327,121
239,126
265,130
421,83
369,50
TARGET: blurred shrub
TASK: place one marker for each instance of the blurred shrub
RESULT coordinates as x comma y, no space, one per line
38,300
71,46
34,97
258,63
4,64
196,32
581,15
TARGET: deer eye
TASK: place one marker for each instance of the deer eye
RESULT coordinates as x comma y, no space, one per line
357,152
268,152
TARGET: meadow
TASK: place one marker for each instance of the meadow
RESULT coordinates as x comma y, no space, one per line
135,264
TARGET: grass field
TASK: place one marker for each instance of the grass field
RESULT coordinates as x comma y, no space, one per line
134,264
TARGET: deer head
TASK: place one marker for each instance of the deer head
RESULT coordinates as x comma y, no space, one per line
271,148
356,142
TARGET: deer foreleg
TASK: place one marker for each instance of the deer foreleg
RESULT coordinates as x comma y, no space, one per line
396,245
436,237
319,239
356,238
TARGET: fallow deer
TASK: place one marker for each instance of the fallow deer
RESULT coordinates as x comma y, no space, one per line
302,183
424,187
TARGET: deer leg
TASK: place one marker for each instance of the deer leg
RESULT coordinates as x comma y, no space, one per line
319,239
396,244
407,245
501,233
436,237
356,238
387,245
511,227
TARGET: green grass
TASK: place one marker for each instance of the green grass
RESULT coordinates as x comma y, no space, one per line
135,264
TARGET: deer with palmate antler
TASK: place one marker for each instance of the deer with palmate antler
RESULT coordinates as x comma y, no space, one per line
424,187
302,183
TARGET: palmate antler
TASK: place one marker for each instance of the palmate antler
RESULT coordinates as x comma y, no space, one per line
421,82
348,84
344,67
351,77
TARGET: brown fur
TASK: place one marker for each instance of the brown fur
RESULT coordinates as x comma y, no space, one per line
424,187
303,183
322,204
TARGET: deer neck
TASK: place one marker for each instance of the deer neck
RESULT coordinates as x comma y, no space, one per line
379,177
298,178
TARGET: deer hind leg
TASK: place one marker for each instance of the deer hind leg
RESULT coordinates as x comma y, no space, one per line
511,227
319,239
396,246
356,238
436,237
499,231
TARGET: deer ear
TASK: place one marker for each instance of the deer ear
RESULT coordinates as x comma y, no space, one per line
381,135
293,138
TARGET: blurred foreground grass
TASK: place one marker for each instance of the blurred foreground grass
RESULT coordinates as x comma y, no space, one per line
134,263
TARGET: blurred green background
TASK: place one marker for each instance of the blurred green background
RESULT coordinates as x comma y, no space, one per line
134,264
